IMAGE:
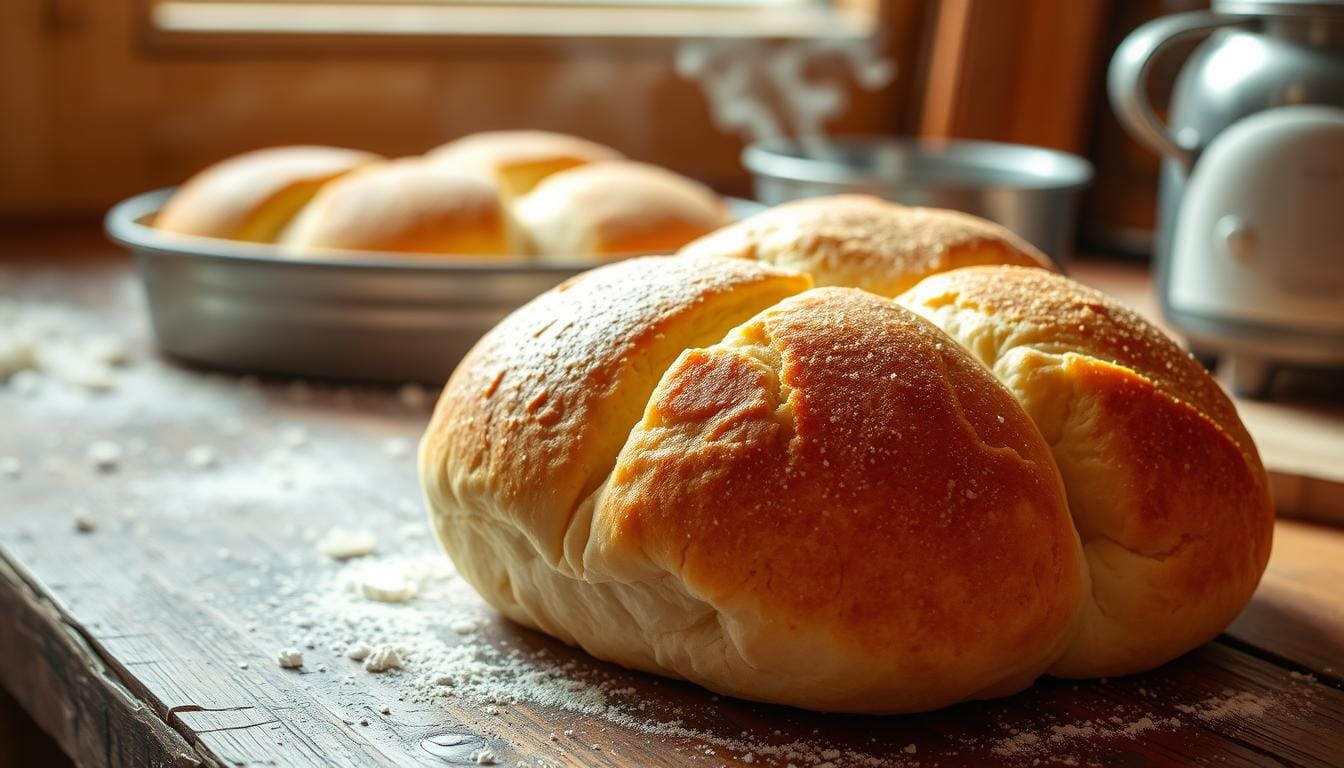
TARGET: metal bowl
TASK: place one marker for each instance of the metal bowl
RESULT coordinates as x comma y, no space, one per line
364,316
1030,190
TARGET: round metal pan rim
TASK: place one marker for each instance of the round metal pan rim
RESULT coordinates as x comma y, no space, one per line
784,159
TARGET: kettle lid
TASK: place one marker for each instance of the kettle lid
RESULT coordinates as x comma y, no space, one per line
1280,7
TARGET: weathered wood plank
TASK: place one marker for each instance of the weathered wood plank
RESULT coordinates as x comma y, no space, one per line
67,689
1297,613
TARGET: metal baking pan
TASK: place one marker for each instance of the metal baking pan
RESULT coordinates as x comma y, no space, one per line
366,316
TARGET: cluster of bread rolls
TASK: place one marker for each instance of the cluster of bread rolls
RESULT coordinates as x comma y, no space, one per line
941,474
496,195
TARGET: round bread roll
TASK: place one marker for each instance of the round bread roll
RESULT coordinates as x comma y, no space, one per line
605,210
865,242
518,160
405,206
704,469
1164,484
254,195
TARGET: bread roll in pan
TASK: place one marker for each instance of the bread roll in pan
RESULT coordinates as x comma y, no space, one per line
364,316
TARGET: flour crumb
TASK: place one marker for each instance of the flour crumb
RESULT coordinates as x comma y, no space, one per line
385,710
290,658
359,651
202,457
387,586
294,436
483,757
910,749
105,455
382,659
1229,705
344,544
84,523
10,466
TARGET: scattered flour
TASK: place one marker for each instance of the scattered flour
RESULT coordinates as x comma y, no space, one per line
1230,704
290,658
202,457
438,643
382,659
294,436
105,455
343,544
387,585
45,338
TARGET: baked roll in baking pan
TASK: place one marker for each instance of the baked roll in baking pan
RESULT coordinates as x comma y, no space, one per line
522,196
819,496
253,196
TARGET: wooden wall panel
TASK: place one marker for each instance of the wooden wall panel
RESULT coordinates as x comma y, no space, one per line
97,107
1023,71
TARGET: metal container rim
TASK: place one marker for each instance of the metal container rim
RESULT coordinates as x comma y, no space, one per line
785,159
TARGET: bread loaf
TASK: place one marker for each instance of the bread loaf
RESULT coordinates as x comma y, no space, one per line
831,499
865,242
254,195
405,206
1164,484
605,210
518,160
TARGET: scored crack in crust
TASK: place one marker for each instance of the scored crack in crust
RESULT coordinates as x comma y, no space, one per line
1164,483
876,523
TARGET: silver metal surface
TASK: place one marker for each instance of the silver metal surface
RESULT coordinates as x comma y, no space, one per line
1032,191
371,317
1279,7
1261,55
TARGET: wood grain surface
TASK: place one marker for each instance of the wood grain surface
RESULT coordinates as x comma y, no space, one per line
151,638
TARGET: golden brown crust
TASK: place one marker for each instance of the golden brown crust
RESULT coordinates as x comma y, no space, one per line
1164,483
863,242
612,209
519,160
839,467
254,195
532,419
404,206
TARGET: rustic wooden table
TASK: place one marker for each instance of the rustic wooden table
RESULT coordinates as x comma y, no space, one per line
143,602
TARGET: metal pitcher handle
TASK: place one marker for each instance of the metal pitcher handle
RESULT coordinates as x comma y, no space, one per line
1127,79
